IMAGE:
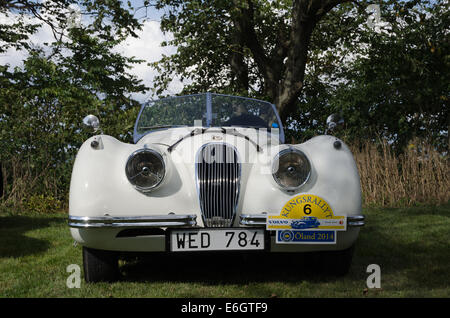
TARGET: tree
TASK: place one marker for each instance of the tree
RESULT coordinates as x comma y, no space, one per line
313,58
389,82
397,87
243,45
43,102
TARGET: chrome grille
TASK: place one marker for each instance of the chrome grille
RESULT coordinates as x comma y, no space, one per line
218,173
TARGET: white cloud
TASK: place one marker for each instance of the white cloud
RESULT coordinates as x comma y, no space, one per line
12,56
146,47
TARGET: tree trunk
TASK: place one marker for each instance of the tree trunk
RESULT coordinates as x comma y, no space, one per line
239,69
1,180
289,90
284,71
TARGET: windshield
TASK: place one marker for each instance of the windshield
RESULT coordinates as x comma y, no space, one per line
206,110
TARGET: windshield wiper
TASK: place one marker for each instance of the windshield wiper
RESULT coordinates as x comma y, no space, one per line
194,132
198,131
234,132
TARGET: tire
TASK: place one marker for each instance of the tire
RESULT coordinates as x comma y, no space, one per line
337,262
100,265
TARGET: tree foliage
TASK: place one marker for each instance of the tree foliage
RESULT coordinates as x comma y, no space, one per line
313,58
255,47
390,82
43,102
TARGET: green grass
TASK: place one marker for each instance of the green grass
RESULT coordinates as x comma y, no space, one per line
411,245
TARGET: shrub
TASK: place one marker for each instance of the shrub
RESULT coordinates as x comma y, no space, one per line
43,204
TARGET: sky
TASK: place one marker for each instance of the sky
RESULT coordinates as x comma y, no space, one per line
146,47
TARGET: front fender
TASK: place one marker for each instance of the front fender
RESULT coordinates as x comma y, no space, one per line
99,186
334,177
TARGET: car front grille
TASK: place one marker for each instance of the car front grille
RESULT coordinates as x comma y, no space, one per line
218,173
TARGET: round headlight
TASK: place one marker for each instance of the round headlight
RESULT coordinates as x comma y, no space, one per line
145,169
291,169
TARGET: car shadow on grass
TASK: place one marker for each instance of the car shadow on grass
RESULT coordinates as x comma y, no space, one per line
224,268
14,241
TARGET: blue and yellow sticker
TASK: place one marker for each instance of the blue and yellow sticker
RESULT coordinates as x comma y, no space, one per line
305,237
306,212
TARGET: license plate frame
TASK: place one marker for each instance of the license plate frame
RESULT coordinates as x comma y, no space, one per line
216,239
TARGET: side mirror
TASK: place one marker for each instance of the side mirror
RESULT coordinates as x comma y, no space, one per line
92,122
334,122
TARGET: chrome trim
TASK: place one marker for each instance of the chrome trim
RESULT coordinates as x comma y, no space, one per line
253,219
260,220
222,200
159,156
356,220
209,115
171,220
277,158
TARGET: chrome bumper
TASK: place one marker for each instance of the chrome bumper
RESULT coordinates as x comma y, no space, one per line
260,220
170,220
253,219
356,220
173,220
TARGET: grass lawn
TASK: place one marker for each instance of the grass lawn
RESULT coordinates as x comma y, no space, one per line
411,245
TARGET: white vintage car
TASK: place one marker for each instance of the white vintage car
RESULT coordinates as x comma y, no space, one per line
211,172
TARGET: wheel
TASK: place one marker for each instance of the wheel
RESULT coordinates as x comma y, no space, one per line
100,265
337,262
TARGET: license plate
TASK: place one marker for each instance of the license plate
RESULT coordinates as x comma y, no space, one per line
216,239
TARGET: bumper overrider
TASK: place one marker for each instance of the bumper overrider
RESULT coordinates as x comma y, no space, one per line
175,221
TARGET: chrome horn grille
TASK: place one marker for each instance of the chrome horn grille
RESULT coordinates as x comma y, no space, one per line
218,173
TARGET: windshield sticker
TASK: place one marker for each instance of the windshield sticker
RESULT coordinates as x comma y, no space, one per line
306,212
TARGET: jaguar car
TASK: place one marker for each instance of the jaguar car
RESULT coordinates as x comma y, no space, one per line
211,173
306,222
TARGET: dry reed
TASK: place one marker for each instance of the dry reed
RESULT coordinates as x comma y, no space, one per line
420,175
